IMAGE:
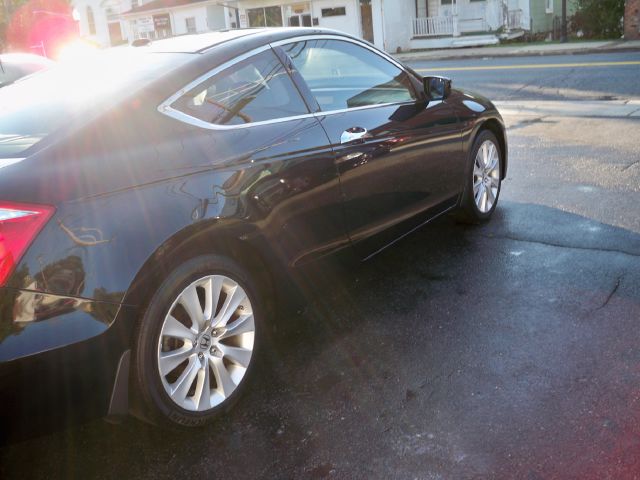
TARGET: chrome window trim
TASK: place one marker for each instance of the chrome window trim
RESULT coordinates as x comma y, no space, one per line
166,109
340,38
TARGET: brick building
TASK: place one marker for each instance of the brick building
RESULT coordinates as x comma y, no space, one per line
632,20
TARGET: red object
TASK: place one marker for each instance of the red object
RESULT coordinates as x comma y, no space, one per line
20,223
42,27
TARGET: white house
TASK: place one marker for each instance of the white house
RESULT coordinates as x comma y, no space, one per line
112,22
167,18
393,25
99,20
397,25
457,23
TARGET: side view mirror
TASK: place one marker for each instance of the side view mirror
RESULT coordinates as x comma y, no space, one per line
437,88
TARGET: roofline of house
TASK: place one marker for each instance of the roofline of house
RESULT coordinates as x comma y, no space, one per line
169,9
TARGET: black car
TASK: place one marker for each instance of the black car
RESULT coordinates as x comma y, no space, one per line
151,199
14,66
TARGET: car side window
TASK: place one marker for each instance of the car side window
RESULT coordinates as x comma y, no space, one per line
9,74
253,90
344,75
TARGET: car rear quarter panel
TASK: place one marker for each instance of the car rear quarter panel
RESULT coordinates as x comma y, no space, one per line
182,185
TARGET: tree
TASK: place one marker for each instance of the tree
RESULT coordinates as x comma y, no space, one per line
37,26
599,18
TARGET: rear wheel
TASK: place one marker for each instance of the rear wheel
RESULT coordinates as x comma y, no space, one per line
197,343
483,179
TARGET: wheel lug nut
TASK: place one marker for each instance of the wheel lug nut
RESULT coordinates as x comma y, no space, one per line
213,350
201,355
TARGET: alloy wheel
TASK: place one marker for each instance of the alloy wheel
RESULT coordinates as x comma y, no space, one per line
206,343
486,176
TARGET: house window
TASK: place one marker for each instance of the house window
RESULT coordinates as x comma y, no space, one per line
334,12
91,21
190,22
445,2
134,4
265,17
549,6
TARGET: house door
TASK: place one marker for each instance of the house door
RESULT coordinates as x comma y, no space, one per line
115,34
366,17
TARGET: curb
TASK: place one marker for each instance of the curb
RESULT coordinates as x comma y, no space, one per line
540,53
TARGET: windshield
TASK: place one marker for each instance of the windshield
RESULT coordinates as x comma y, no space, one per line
37,106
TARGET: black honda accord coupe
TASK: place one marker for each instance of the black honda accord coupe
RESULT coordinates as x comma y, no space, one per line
151,197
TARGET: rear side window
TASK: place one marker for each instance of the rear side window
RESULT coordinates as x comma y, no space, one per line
9,73
37,107
254,90
344,75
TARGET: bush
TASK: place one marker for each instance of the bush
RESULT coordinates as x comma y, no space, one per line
598,18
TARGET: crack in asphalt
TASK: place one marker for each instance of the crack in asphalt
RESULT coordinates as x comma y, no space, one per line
529,121
559,245
633,112
631,165
611,293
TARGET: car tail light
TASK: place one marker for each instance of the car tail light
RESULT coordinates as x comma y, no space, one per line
19,225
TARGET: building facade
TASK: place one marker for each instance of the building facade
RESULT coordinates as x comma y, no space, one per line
350,16
167,18
113,22
546,14
392,25
632,20
99,20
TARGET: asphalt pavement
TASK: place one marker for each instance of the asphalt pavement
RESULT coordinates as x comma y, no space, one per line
603,76
505,351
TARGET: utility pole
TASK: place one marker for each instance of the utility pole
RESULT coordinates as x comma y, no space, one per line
563,35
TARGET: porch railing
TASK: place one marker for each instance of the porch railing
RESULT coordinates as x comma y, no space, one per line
433,26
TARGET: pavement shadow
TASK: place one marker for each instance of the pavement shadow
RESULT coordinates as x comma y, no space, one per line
364,323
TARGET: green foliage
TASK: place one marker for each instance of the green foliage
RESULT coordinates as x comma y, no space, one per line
599,18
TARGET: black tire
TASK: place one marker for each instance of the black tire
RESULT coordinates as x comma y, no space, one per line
468,211
151,402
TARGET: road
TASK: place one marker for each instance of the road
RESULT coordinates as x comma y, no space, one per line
505,351
604,76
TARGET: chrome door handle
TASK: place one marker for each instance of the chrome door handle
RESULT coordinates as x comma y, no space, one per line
354,133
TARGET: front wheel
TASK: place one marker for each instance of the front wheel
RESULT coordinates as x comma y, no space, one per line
483,179
197,343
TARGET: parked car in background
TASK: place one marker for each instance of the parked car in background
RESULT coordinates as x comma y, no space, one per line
152,198
17,65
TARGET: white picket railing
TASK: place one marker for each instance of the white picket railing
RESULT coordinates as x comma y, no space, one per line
433,26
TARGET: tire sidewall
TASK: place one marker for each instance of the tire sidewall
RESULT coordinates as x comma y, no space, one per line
469,202
157,405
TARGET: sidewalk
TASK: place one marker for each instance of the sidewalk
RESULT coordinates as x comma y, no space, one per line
521,50
570,108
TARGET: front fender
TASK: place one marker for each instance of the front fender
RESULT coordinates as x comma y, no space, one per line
476,113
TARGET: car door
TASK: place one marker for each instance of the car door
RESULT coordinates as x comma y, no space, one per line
393,150
274,168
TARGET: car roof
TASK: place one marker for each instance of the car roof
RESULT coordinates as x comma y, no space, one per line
201,42
25,58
